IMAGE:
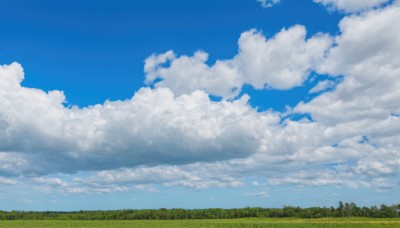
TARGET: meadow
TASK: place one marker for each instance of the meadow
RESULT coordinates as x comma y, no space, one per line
244,222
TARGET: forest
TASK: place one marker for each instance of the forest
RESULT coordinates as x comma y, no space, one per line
342,210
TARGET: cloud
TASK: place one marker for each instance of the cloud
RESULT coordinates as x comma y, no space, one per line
366,53
322,178
226,182
186,74
364,102
11,161
94,189
258,194
174,136
145,187
255,183
268,3
282,62
188,176
154,127
50,181
351,6
7,181
322,86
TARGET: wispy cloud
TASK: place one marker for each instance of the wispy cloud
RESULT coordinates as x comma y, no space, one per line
268,3
258,194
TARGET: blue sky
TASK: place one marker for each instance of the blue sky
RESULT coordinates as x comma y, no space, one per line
101,45
196,104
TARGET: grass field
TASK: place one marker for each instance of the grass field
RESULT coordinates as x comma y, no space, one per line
248,222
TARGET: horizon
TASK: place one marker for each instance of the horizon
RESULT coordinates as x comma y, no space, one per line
340,206
198,104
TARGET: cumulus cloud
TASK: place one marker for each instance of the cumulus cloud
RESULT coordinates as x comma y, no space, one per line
364,102
173,135
282,62
186,74
154,127
366,53
351,6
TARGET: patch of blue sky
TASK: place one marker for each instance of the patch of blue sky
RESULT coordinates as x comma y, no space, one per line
94,51
297,117
364,139
280,100
335,165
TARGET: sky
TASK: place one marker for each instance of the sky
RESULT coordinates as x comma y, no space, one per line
198,104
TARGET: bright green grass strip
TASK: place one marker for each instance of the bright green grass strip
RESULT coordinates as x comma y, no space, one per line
248,222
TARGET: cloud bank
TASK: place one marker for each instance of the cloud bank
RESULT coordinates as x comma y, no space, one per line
154,127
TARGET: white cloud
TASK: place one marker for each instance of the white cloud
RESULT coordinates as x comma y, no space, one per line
258,194
268,3
154,127
50,181
7,181
11,162
189,176
187,74
322,85
323,178
224,182
367,54
281,62
351,6
177,137
146,187
93,189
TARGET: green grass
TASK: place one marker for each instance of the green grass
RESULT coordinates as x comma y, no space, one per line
247,222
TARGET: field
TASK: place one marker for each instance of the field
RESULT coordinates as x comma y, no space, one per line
248,222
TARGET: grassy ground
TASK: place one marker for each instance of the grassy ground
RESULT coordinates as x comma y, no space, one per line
248,222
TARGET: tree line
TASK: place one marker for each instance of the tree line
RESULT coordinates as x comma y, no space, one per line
342,210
